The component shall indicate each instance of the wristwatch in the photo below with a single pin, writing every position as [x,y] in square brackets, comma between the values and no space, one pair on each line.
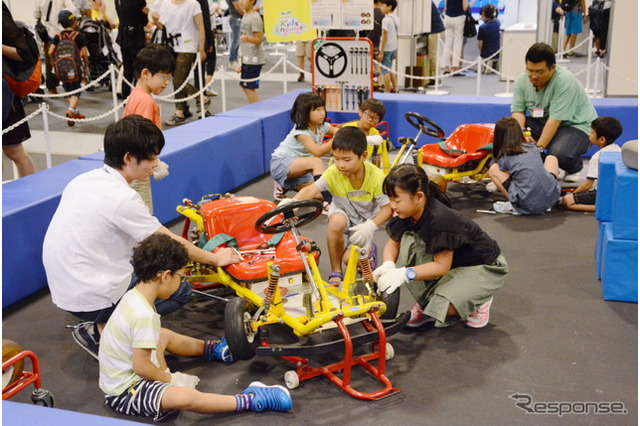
[411,274]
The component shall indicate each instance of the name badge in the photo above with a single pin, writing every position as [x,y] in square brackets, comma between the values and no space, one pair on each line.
[357,193]
[538,112]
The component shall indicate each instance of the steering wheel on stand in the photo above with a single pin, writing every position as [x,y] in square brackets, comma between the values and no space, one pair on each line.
[422,123]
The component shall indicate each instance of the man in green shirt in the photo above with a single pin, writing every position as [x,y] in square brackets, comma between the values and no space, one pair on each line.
[559,111]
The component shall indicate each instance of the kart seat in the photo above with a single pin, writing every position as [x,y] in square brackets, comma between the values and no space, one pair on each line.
[236,218]
[467,142]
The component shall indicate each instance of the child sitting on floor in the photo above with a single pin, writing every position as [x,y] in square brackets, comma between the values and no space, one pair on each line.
[604,132]
[359,207]
[133,370]
[518,172]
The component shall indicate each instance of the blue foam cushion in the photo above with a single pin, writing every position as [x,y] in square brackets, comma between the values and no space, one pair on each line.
[28,204]
[619,269]
[275,114]
[624,208]
[606,180]
[34,415]
[214,155]
[600,246]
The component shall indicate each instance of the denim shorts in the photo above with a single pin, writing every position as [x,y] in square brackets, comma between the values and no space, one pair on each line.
[387,61]
[250,72]
[279,169]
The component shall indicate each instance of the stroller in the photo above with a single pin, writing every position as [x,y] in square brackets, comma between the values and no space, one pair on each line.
[101,51]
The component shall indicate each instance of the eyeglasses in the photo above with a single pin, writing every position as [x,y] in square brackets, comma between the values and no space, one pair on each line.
[371,117]
[165,77]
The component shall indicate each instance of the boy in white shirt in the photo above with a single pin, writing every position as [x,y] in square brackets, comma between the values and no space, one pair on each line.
[389,44]
[604,132]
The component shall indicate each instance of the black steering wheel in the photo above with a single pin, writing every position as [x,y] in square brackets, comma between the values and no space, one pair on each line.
[420,122]
[335,60]
[307,211]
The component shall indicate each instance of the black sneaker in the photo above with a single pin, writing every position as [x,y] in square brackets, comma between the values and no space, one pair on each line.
[85,335]
[301,77]
[175,120]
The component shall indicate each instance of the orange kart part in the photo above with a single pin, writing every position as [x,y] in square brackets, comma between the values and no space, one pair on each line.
[17,379]
[465,144]
[236,217]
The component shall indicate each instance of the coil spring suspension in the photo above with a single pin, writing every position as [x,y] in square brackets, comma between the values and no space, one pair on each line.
[274,276]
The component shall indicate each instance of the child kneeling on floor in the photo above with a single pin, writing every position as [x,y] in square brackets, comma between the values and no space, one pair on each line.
[358,206]
[451,266]
[133,371]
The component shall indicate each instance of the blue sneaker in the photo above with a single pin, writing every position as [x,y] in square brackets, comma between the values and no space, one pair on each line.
[268,398]
[219,349]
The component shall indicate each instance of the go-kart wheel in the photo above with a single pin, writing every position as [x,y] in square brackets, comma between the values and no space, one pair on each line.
[422,123]
[296,213]
[389,352]
[440,181]
[242,341]
[13,372]
[42,397]
[392,301]
[291,379]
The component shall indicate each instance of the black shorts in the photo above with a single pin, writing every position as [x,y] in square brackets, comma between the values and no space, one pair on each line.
[586,197]
[73,85]
[250,72]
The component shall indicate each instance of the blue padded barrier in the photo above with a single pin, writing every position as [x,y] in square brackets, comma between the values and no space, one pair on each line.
[275,114]
[624,209]
[18,413]
[619,268]
[451,111]
[207,156]
[606,179]
[28,204]
[602,231]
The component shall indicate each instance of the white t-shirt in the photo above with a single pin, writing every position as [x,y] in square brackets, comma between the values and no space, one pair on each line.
[133,324]
[390,24]
[592,171]
[180,24]
[88,247]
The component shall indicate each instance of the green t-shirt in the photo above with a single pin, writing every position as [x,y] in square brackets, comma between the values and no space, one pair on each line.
[563,99]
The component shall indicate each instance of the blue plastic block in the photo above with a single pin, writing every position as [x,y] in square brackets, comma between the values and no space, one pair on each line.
[624,208]
[606,181]
[600,246]
[619,269]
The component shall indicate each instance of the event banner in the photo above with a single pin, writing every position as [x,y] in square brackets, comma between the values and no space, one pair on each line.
[342,14]
[286,20]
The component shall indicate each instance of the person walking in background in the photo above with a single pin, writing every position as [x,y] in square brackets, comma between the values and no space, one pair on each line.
[437,28]
[573,20]
[454,17]
[251,50]
[389,44]
[15,55]
[235,12]
[133,18]
[47,26]
[489,36]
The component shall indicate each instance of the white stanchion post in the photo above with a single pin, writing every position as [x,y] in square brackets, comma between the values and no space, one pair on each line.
[596,78]
[45,129]
[479,72]
[563,31]
[589,57]
[284,74]
[223,88]
[114,95]
[200,84]
[437,90]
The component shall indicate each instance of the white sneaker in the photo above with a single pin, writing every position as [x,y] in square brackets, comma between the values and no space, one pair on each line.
[573,177]
[491,187]
[504,207]
[279,193]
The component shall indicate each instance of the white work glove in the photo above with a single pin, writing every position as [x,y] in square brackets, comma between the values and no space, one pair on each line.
[375,140]
[184,380]
[363,233]
[285,201]
[392,279]
[386,266]
[161,171]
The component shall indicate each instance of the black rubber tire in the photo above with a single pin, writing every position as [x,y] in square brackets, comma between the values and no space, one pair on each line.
[392,301]
[42,397]
[242,343]
[9,350]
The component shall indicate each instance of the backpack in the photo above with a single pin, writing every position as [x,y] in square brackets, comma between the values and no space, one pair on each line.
[26,77]
[567,5]
[66,59]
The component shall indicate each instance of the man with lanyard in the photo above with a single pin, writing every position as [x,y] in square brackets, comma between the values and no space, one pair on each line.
[559,111]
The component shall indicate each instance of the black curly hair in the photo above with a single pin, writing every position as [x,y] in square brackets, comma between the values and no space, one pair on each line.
[158,253]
